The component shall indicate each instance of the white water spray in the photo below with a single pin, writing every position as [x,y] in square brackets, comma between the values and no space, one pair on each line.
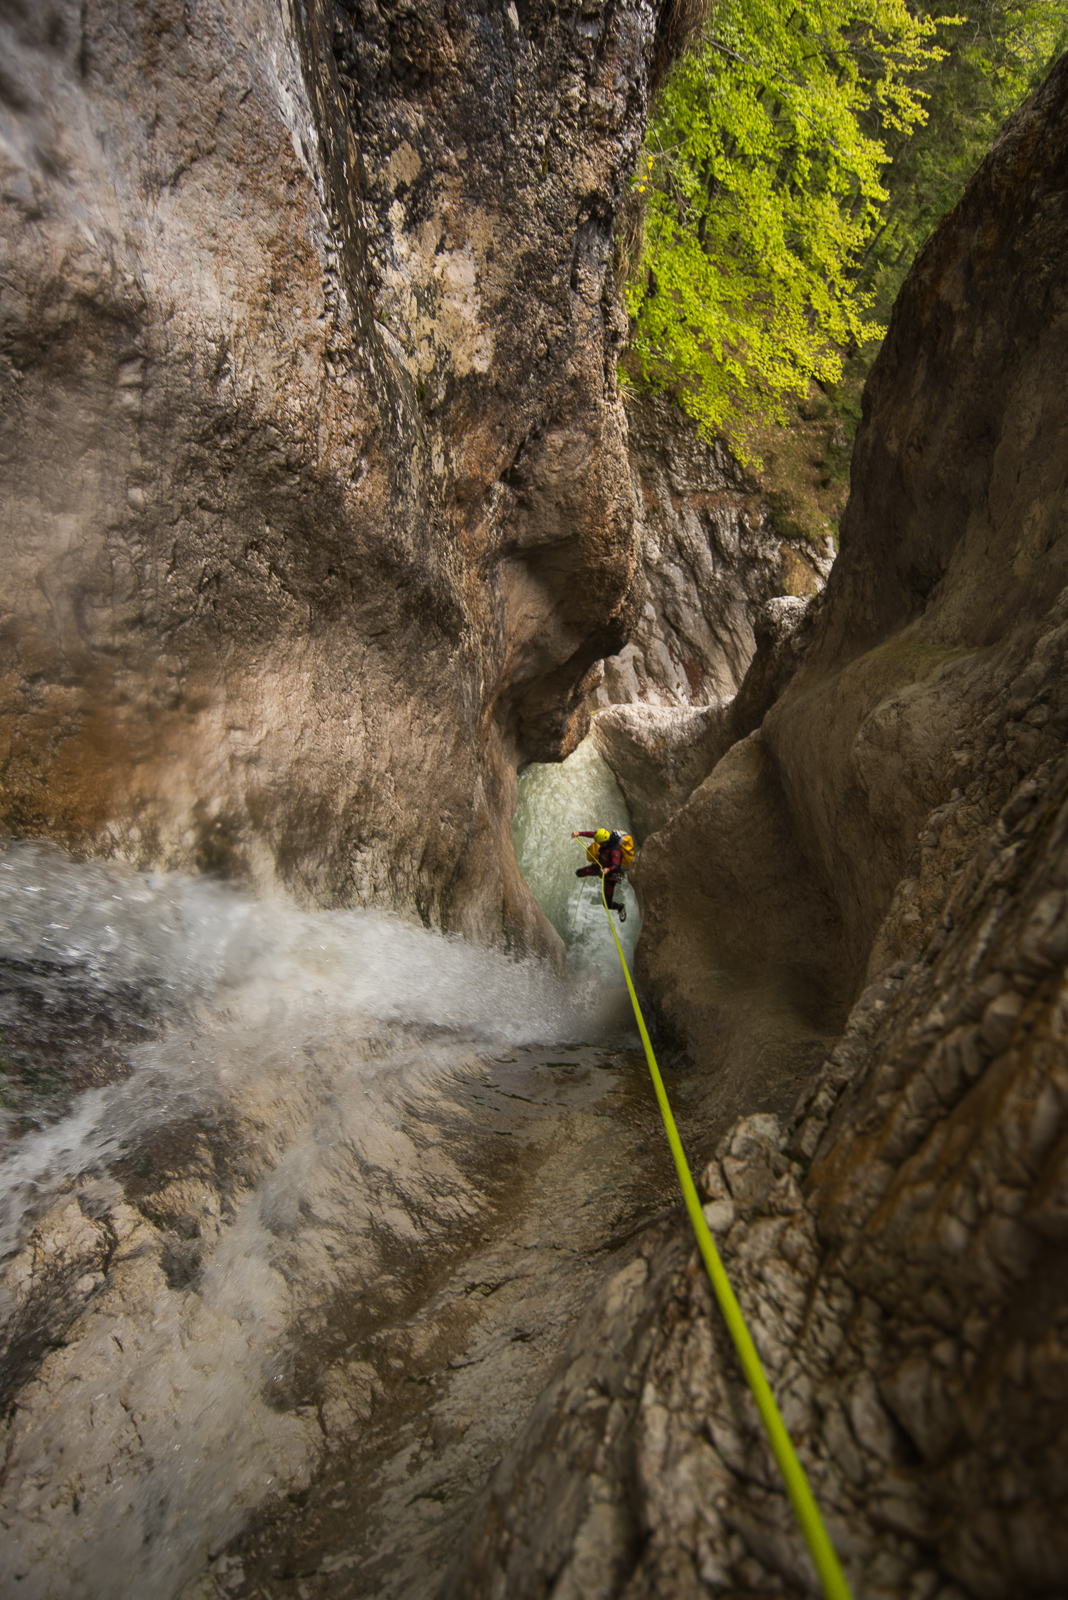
[306,1059]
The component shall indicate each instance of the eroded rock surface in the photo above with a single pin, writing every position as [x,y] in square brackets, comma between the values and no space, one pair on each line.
[895,834]
[711,555]
[897,1252]
[909,700]
[209,1385]
[660,753]
[721,628]
[306,603]
[311,444]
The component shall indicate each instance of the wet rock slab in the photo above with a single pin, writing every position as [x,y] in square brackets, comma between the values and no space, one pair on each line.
[427,1395]
[396,1334]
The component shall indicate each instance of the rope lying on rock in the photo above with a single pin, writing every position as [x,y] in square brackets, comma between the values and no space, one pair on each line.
[801,1497]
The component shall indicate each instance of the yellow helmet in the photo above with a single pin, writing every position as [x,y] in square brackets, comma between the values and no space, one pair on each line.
[602,836]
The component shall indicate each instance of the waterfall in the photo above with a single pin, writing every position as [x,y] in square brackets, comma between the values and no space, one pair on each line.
[219,1115]
[578,793]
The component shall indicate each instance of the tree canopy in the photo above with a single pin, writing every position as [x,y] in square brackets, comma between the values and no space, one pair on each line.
[993,58]
[785,178]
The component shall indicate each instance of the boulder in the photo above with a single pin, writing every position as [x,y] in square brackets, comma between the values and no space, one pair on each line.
[660,753]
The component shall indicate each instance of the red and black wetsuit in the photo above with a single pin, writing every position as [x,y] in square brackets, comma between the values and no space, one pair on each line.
[611,859]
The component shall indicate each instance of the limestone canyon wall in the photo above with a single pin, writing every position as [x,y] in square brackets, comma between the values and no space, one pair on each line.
[711,555]
[914,698]
[316,512]
[722,585]
[892,839]
[317,517]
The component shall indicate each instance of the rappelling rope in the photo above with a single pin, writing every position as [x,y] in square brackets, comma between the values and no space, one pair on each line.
[801,1497]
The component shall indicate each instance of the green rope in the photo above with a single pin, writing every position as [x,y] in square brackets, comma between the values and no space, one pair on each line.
[806,1510]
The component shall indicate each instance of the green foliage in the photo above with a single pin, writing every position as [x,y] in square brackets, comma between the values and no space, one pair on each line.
[762,185]
[1000,51]
[798,158]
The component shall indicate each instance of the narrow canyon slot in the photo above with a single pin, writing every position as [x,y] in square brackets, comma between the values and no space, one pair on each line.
[430,435]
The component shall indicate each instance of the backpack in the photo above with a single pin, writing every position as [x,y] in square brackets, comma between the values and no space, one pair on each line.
[625,844]
[616,841]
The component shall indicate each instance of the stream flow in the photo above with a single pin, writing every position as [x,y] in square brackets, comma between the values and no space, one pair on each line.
[297,1209]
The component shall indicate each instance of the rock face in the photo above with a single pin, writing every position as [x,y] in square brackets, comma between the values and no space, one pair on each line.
[316,519]
[660,753]
[711,556]
[936,632]
[310,437]
[727,612]
[897,830]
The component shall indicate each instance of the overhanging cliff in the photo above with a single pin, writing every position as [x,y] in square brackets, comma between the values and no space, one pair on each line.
[316,503]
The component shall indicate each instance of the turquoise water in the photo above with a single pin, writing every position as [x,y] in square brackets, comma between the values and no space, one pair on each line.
[554,799]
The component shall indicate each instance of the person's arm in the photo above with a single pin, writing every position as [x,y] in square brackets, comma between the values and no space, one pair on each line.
[615,861]
[587,833]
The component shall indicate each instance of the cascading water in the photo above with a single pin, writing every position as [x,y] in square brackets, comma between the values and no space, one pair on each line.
[241,1142]
[579,793]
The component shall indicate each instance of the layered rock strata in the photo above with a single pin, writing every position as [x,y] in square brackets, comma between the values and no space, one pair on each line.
[728,609]
[894,836]
[310,438]
[711,554]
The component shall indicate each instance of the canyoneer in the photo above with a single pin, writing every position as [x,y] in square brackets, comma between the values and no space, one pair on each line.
[610,854]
